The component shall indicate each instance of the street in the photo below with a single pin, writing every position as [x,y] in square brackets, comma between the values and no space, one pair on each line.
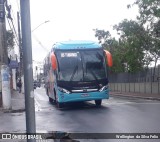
[106,51]
[117,115]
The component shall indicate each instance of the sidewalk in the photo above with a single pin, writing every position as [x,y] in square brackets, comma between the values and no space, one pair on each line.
[17,102]
[136,95]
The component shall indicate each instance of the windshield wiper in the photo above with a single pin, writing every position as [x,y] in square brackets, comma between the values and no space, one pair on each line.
[74,72]
[93,74]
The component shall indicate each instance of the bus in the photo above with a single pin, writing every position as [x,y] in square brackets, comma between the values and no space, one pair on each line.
[77,71]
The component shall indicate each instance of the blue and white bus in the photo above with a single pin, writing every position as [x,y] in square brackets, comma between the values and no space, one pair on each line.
[77,71]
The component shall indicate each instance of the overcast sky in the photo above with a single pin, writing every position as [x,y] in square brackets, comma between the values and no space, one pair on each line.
[72,20]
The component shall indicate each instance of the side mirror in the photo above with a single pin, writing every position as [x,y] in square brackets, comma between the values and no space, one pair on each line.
[53,61]
[109,58]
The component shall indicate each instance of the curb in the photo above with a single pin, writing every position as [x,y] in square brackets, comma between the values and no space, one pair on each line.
[13,110]
[129,96]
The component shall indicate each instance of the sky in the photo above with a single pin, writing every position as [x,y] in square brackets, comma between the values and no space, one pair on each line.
[72,20]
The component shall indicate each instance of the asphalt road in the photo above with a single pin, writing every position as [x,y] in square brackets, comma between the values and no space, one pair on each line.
[117,115]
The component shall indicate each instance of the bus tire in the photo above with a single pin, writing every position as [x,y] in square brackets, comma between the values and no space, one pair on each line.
[98,102]
[50,100]
[59,105]
[47,92]
[55,98]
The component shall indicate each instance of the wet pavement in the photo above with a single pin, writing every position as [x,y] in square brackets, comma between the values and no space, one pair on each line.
[118,114]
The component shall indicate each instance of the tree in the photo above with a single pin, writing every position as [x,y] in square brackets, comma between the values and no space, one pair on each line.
[135,41]
[149,11]
[150,18]
[139,41]
[129,51]
[104,38]
[112,45]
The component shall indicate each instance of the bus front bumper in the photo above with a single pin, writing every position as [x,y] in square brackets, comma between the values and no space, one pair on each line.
[76,97]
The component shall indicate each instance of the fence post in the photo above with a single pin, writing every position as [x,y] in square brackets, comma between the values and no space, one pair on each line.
[158,79]
[151,80]
[145,84]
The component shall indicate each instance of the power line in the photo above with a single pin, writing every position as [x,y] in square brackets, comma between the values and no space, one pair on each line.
[40,43]
[12,31]
[12,11]
[9,16]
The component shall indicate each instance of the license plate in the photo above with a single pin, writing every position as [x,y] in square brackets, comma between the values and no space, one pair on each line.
[85,95]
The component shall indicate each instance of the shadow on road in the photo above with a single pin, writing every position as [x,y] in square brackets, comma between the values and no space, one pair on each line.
[79,106]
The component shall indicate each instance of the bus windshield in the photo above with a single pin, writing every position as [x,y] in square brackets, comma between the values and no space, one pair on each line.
[81,65]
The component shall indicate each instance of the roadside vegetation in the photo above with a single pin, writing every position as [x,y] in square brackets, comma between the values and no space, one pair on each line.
[139,41]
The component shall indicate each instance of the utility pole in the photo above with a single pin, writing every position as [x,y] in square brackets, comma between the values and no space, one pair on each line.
[5,92]
[3,49]
[28,67]
[20,47]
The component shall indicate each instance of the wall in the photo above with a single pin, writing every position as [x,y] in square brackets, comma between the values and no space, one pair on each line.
[147,81]
[145,87]
[0,88]
[0,81]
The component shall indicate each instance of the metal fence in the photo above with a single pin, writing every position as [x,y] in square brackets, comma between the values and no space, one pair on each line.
[147,81]
[148,75]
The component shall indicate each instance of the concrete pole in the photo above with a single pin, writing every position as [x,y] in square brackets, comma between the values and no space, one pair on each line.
[6,91]
[21,74]
[20,44]
[28,67]
[4,75]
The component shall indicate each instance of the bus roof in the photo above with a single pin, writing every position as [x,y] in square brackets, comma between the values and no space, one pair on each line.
[74,44]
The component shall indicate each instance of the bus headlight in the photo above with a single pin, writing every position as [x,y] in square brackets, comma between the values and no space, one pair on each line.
[103,88]
[63,90]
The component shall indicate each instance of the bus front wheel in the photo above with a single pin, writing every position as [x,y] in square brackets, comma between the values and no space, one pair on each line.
[98,102]
[50,100]
[59,105]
